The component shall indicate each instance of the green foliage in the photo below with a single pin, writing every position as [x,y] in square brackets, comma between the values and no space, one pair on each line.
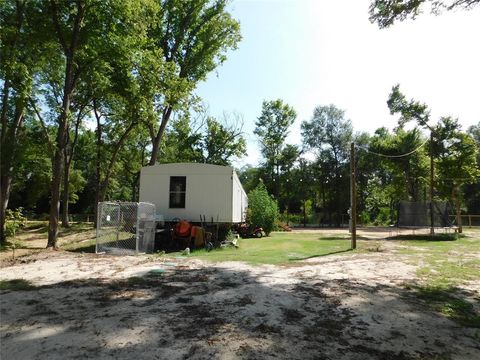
[263,209]
[444,300]
[16,285]
[249,177]
[457,155]
[386,12]
[223,142]
[204,140]
[398,178]
[14,221]
[272,129]
[193,37]
[328,135]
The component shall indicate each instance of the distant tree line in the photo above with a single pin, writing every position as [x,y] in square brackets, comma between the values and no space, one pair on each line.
[314,178]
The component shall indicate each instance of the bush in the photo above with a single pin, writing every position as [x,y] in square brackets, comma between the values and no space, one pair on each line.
[14,221]
[262,209]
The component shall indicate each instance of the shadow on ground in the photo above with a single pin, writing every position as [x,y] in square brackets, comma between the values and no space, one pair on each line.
[213,313]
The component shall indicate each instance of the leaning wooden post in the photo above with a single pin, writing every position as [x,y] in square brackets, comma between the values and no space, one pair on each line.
[432,215]
[353,196]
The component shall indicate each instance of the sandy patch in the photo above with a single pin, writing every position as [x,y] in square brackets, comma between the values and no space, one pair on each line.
[336,307]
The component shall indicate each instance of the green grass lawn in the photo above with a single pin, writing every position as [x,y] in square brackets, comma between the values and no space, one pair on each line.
[444,263]
[444,266]
[278,248]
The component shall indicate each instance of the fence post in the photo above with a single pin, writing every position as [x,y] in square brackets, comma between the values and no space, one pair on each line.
[353,196]
[118,225]
[99,216]
[137,230]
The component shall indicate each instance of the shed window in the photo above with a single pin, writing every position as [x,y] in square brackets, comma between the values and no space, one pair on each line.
[178,186]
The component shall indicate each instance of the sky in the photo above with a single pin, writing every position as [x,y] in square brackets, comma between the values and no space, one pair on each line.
[320,52]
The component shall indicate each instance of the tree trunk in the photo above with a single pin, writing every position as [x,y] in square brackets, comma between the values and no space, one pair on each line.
[58,161]
[55,194]
[157,139]
[304,213]
[6,181]
[71,75]
[8,147]
[458,210]
[68,157]
[8,136]
[66,194]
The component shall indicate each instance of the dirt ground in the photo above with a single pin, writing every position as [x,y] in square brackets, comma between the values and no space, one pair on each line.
[349,306]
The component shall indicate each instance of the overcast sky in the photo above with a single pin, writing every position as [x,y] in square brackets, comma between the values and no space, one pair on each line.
[317,52]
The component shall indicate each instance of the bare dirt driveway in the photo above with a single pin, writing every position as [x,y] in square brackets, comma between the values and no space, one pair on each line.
[346,306]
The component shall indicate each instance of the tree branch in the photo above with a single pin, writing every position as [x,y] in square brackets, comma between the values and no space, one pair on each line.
[44,127]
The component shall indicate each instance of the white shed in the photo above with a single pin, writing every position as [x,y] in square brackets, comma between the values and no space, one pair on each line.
[188,190]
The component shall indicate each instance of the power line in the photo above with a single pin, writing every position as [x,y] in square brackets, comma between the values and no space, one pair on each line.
[394,156]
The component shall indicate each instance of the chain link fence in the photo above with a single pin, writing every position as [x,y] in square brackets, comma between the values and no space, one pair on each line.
[125,228]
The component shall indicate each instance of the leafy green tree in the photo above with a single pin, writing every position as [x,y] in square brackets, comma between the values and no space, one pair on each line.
[88,36]
[386,12]
[328,135]
[451,150]
[117,83]
[408,174]
[31,180]
[194,37]
[22,55]
[472,191]
[302,188]
[288,159]
[457,163]
[262,209]
[182,142]
[223,142]
[249,177]
[204,140]
[272,129]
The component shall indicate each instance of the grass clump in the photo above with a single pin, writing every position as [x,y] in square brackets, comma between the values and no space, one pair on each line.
[85,246]
[442,299]
[16,285]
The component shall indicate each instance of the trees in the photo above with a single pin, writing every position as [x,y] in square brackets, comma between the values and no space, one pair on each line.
[472,191]
[194,37]
[386,12]
[272,129]
[328,134]
[453,151]
[262,209]
[205,139]
[92,46]
[22,54]
[457,163]
[223,142]
[116,64]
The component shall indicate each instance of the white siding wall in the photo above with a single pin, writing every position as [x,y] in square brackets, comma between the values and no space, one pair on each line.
[209,191]
[240,200]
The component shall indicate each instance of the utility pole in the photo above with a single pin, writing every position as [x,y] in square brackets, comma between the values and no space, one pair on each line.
[432,218]
[353,196]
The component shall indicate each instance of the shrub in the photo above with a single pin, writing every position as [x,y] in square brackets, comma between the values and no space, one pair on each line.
[263,209]
[14,221]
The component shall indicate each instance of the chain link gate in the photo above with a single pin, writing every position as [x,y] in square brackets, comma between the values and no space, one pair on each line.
[125,228]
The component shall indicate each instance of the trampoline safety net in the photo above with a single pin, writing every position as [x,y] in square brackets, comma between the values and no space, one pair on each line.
[125,228]
[417,214]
